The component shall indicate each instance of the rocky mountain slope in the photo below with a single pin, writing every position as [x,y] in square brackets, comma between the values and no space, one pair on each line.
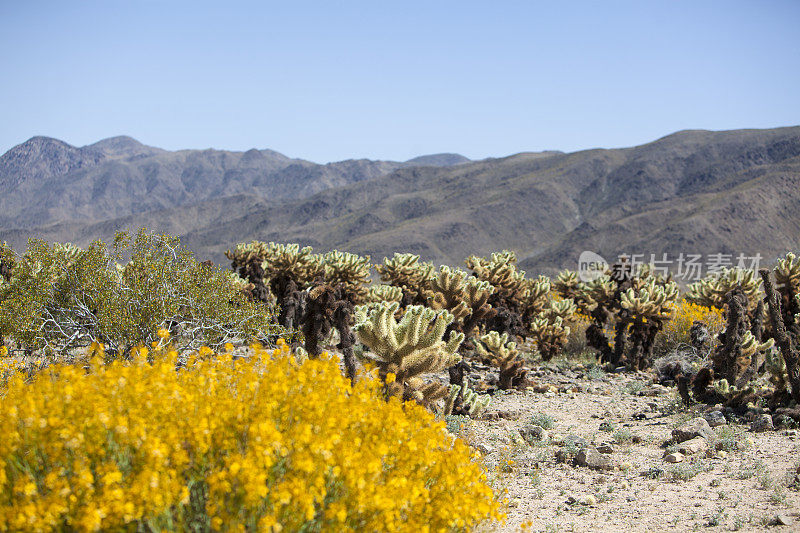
[692,192]
[45,181]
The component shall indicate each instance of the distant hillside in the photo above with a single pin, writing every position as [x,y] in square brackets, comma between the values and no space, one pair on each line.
[692,192]
[45,181]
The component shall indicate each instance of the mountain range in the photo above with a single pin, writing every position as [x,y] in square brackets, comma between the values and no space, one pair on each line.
[692,192]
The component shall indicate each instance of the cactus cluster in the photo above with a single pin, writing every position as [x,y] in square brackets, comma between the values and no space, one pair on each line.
[349,272]
[405,350]
[783,314]
[550,329]
[517,300]
[712,290]
[406,272]
[465,297]
[634,303]
[472,403]
[505,356]
[383,293]
[740,354]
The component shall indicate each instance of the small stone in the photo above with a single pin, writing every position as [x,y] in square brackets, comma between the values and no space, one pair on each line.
[484,448]
[654,390]
[605,447]
[696,427]
[571,500]
[762,423]
[589,500]
[517,438]
[715,419]
[783,520]
[514,502]
[791,433]
[631,498]
[575,440]
[533,433]
[591,458]
[625,466]
[722,454]
[640,416]
[676,457]
[693,446]
[557,438]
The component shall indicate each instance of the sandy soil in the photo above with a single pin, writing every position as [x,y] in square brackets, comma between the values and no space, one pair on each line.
[743,490]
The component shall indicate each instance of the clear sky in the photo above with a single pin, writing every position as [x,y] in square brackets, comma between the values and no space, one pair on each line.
[332,80]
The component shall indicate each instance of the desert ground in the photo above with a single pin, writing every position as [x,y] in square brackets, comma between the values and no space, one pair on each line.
[734,479]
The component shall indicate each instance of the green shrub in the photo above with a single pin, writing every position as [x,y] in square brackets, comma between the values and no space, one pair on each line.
[60,297]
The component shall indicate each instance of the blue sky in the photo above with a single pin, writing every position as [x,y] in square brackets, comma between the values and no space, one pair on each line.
[327,81]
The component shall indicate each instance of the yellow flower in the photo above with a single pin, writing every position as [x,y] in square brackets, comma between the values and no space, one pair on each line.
[163,333]
[122,444]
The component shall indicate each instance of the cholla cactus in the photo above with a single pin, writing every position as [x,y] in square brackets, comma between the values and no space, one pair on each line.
[651,301]
[472,403]
[407,349]
[550,330]
[406,271]
[447,292]
[751,352]
[301,265]
[787,276]
[326,308]
[739,355]
[597,297]
[515,298]
[787,271]
[536,297]
[348,271]
[500,270]
[776,366]
[566,284]
[785,326]
[634,304]
[7,262]
[246,261]
[737,395]
[465,297]
[384,293]
[712,290]
[276,260]
[506,357]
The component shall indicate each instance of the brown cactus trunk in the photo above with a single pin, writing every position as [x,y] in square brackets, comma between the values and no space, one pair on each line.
[782,339]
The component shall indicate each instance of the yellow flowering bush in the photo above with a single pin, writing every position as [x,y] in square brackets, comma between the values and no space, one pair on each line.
[676,331]
[260,443]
